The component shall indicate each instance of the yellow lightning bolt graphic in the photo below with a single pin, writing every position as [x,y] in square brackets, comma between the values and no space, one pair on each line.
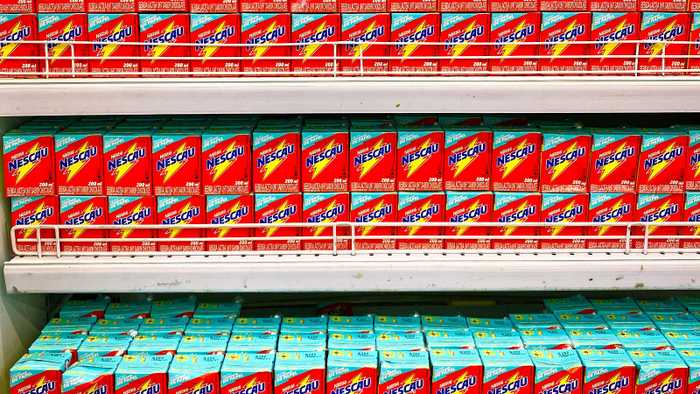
[75,168]
[508,230]
[562,45]
[462,378]
[615,378]
[513,379]
[665,205]
[272,166]
[320,165]
[462,229]
[458,49]
[408,49]
[359,49]
[261,49]
[174,232]
[657,168]
[369,164]
[610,167]
[92,389]
[697,168]
[251,383]
[60,48]
[126,167]
[412,230]
[126,232]
[160,49]
[146,385]
[40,382]
[271,230]
[604,229]
[305,381]
[667,380]
[367,229]
[464,163]
[108,49]
[610,46]
[198,386]
[660,45]
[224,166]
[175,167]
[557,229]
[7,50]
[224,231]
[515,163]
[418,163]
[409,380]
[561,167]
[27,168]
[696,230]
[564,380]
[310,49]
[507,49]
[319,230]
[210,50]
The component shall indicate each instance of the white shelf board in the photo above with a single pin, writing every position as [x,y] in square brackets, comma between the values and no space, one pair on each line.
[136,96]
[398,272]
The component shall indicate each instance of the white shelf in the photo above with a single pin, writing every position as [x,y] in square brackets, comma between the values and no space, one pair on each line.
[85,96]
[398,272]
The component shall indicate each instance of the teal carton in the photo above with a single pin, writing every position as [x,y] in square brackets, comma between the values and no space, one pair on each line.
[90,375]
[351,323]
[271,324]
[68,326]
[39,373]
[302,372]
[641,338]
[210,326]
[104,346]
[203,344]
[660,305]
[578,320]
[174,308]
[599,338]
[93,308]
[558,370]
[400,340]
[482,323]
[247,373]
[683,339]
[602,305]
[507,371]
[304,324]
[552,337]
[396,323]
[351,371]
[627,319]
[659,371]
[456,370]
[691,357]
[302,342]
[352,341]
[574,304]
[449,338]
[671,321]
[533,320]
[218,310]
[175,325]
[404,371]
[497,339]
[128,310]
[156,344]
[116,327]
[607,371]
[191,372]
[142,374]
[53,343]
[252,341]
[432,322]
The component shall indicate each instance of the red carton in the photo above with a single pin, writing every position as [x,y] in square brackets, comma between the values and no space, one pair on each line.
[694,63]
[607,30]
[663,29]
[157,31]
[664,5]
[421,158]
[564,208]
[374,208]
[373,158]
[326,208]
[659,208]
[692,167]
[18,7]
[309,32]
[564,5]
[259,30]
[311,6]
[560,32]
[416,207]
[15,28]
[216,7]
[565,162]
[516,208]
[691,213]
[516,160]
[463,6]
[162,6]
[83,211]
[277,161]
[60,6]
[365,29]
[325,160]
[113,6]
[263,6]
[229,210]
[409,30]
[127,164]
[226,162]
[509,31]
[29,164]
[129,211]
[360,6]
[468,207]
[273,209]
[662,162]
[79,164]
[468,159]
[412,6]
[607,208]
[62,29]
[177,164]
[514,5]
[175,210]
[110,30]
[459,33]
[207,29]
[614,162]
[35,211]
[612,5]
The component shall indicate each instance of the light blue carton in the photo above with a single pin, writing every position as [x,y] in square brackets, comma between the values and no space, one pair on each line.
[641,338]
[144,366]
[187,367]
[533,320]
[238,365]
[128,310]
[396,323]
[84,308]
[602,305]
[252,341]
[660,305]
[203,344]
[94,369]
[683,339]
[433,322]
[691,302]
[215,325]
[400,340]
[213,310]
[346,362]
[291,364]
[395,363]
[498,361]
[302,342]
[174,308]
[49,364]
[450,338]
[483,323]
[597,338]
[629,319]
[446,362]
[53,343]
[578,320]
[497,339]
[652,363]
[552,337]
[104,346]
[175,325]
[352,341]
[68,326]
[671,321]
[691,357]
[573,304]
[156,344]
[304,324]
[363,323]
[259,324]
[550,362]
[116,327]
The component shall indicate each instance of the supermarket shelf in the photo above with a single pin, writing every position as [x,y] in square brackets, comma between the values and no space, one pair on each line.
[363,272]
[280,95]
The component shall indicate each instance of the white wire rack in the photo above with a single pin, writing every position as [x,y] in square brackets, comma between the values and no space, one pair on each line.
[351,58]
[348,238]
